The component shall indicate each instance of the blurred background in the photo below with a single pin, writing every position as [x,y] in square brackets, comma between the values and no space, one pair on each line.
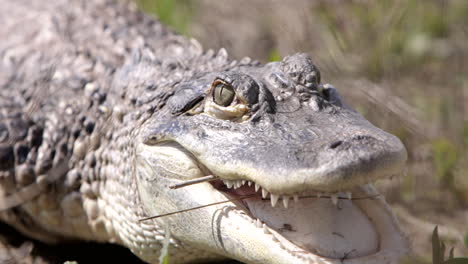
[402,63]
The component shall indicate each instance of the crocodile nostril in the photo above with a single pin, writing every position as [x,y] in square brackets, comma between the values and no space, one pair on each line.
[335,144]
[362,137]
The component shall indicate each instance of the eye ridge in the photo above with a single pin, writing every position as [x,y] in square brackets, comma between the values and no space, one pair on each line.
[223,93]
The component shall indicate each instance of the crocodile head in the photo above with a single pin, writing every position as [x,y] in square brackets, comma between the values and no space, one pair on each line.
[275,133]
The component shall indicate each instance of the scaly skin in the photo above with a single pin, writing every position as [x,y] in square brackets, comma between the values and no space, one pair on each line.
[102,109]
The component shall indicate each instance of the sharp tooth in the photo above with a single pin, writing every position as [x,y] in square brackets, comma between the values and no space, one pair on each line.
[334,198]
[319,194]
[349,195]
[258,223]
[229,183]
[243,182]
[264,193]
[257,187]
[238,184]
[274,199]
[285,201]
[275,239]
[296,198]
[265,229]
[249,183]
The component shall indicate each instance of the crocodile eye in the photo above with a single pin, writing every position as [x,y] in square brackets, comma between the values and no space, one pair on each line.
[223,94]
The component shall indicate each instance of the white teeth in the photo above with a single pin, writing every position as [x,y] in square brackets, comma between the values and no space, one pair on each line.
[249,183]
[285,201]
[258,223]
[264,193]
[229,183]
[265,229]
[334,198]
[257,187]
[319,195]
[349,195]
[296,198]
[274,199]
[238,184]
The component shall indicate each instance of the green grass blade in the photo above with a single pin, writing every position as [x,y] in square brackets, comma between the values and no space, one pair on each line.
[274,55]
[435,247]
[457,261]
[164,257]
[165,260]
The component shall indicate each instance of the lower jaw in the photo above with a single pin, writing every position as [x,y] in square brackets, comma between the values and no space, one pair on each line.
[360,231]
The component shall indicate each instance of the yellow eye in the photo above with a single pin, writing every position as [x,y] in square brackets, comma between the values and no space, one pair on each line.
[223,94]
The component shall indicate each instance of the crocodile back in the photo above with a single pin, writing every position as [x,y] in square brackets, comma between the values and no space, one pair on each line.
[57,61]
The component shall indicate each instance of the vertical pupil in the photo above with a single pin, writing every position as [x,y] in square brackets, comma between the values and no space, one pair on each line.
[223,94]
[221,89]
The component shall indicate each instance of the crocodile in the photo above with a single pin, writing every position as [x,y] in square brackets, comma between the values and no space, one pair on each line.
[103,110]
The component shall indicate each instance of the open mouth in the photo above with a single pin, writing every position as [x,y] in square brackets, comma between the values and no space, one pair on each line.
[334,227]
[352,226]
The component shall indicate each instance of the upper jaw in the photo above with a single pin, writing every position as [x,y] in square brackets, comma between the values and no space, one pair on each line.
[291,158]
[331,171]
